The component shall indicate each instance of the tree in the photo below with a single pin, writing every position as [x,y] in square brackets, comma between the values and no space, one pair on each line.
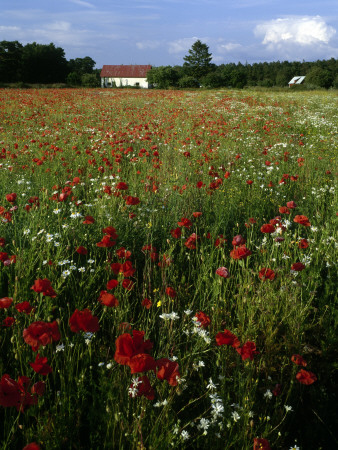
[198,61]
[10,61]
[43,63]
[162,77]
[81,65]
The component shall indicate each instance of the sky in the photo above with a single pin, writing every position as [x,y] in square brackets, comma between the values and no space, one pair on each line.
[161,32]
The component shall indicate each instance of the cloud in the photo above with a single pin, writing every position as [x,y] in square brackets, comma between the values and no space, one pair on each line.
[147,45]
[181,45]
[305,31]
[229,47]
[82,3]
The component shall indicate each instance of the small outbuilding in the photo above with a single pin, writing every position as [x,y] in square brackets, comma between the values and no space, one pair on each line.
[296,80]
[124,75]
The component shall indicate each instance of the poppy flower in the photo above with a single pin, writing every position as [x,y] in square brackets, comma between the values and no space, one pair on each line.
[142,362]
[81,250]
[89,220]
[127,284]
[10,393]
[123,253]
[238,240]
[176,233]
[298,267]
[268,228]
[223,272]
[8,322]
[112,284]
[261,444]
[5,302]
[167,370]
[38,388]
[143,388]
[40,365]
[11,197]
[2,242]
[203,320]
[43,286]
[110,231]
[284,210]
[299,360]
[32,446]
[122,186]
[266,274]
[41,333]
[146,303]
[197,214]
[108,299]
[248,350]
[306,377]
[184,222]
[227,338]
[291,205]
[303,243]
[132,200]
[240,252]
[302,220]
[191,241]
[24,307]
[171,292]
[84,321]
[106,242]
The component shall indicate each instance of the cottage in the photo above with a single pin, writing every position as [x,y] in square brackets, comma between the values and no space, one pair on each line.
[296,80]
[122,75]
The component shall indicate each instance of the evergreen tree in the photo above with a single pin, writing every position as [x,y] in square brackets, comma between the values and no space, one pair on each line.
[198,62]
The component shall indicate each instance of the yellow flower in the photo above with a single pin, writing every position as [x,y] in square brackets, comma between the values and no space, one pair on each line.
[159,303]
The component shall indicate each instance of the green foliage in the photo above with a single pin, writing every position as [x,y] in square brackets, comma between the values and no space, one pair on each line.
[198,61]
[90,80]
[188,82]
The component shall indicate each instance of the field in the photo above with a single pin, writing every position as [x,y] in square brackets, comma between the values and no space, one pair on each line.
[168,269]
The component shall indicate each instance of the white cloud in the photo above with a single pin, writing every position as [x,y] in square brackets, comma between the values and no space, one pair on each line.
[82,3]
[147,45]
[181,45]
[59,26]
[295,30]
[229,47]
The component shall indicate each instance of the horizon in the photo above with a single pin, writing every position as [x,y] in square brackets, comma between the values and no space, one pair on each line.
[160,33]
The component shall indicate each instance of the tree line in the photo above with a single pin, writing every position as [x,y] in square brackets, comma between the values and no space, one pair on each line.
[46,64]
[198,70]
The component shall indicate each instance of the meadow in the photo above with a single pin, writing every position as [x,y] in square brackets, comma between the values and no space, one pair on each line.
[168,269]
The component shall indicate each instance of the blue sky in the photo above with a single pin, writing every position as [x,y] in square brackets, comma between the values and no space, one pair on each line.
[160,32]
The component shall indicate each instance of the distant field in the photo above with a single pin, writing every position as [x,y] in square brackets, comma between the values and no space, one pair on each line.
[168,269]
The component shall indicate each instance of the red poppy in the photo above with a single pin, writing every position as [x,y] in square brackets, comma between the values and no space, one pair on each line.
[110,231]
[89,220]
[238,240]
[303,243]
[268,228]
[11,197]
[4,257]
[184,222]
[191,241]
[167,370]
[106,242]
[8,322]
[127,269]
[171,292]
[41,333]
[2,242]
[261,444]
[266,274]
[298,267]
[306,377]
[128,346]
[240,252]
[176,233]
[10,393]
[223,272]
[127,284]
[291,205]
[142,362]
[249,182]
[32,446]
[197,214]
[248,350]
[284,210]
[24,307]
[132,200]
[5,302]
[81,250]
[112,284]
[227,338]
[302,220]
[40,365]
[44,286]
[38,388]
[122,186]
[108,299]
[299,360]
[143,388]
[123,253]
[84,321]
[203,320]
[146,303]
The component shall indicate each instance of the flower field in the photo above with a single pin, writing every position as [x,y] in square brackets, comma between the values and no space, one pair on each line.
[168,269]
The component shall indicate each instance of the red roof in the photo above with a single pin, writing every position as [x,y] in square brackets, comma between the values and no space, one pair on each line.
[123,71]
